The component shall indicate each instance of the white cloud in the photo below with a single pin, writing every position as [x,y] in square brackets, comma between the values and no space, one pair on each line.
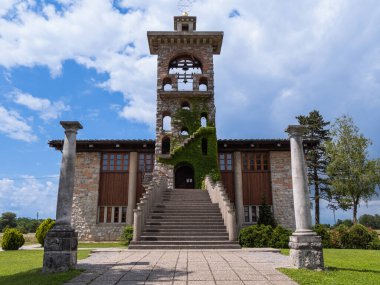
[28,196]
[47,109]
[14,126]
[314,49]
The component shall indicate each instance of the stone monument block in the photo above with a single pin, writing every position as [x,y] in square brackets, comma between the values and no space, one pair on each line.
[306,251]
[60,246]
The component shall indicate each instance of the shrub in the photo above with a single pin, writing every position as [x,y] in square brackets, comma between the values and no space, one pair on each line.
[346,222]
[280,238]
[42,230]
[358,236]
[324,233]
[127,235]
[266,216]
[374,244]
[255,236]
[12,239]
[336,236]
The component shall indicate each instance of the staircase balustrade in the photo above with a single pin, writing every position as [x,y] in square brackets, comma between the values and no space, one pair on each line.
[152,194]
[218,195]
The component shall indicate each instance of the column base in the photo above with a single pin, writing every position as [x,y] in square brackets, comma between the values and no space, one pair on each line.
[60,249]
[306,251]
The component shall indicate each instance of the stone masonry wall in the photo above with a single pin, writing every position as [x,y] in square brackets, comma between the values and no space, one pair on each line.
[170,106]
[85,201]
[282,189]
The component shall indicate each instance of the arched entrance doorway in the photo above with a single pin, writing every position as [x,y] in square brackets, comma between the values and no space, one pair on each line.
[184,177]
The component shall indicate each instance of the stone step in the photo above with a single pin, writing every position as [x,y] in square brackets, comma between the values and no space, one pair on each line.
[185,203]
[158,222]
[184,206]
[184,238]
[185,215]
[184,245]
[183,210]
[185,233]
[183,221]
[175,226]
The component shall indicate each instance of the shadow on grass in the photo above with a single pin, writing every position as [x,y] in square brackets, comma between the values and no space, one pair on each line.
[332,268]
[36,277]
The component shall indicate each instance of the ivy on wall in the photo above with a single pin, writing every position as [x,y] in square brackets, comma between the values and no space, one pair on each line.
[191,153]
[190,119]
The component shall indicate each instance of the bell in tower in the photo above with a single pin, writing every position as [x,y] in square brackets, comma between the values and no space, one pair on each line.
[186,143]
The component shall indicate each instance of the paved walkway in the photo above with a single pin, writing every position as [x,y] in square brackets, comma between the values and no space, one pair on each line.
[177,267]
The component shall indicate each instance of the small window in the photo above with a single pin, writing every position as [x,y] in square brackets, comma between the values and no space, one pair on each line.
[253,214]
[116,215]
[185,27]
[225,161]
[246,214]
[185,105]
[115,162]
[167,124]
[184,132]
[145,162]
[165,145]
[204,120]
[124,214]
[204,146]
[255,161]
[101,215]
[109,214]
[203,84]
[167,83]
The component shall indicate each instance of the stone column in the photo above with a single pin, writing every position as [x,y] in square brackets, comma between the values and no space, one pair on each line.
[238,180]
[305,245]
[132,185]
[60,248]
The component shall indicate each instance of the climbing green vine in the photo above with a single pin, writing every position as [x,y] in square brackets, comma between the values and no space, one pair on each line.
[191,153]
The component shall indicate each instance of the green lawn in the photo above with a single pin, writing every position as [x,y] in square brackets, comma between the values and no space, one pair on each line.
[23,267]
[343,266]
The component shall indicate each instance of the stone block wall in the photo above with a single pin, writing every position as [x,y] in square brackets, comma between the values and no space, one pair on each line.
[85,201]
[282,189]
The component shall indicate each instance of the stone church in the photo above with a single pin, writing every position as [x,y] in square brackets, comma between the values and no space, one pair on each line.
[116,179]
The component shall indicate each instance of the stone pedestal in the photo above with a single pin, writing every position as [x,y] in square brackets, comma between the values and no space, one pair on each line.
[60,247]
[306,251]
[305,245]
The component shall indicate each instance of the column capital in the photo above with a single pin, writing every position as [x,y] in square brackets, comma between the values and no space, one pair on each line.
[71,126]
[296,130]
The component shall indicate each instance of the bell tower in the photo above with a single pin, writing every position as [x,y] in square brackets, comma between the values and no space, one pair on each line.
[186,145]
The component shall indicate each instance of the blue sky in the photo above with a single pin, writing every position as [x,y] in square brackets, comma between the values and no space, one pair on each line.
[89,61]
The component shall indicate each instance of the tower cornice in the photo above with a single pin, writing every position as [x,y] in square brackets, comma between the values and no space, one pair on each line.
[156,39]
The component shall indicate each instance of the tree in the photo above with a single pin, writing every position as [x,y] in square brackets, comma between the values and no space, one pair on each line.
[315,156]
[370,221]
[8,219]
[353,176]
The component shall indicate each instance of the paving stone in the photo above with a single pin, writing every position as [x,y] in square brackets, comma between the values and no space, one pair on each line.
[201,283]
[130,282]
[225,275]
[196,267]
[257,282]
[200,276]
[229,283]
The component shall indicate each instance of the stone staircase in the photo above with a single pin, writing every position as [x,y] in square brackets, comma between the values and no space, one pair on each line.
[185,219]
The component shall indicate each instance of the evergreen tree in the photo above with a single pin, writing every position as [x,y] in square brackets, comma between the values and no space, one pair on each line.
[315,156]
[7,219]
[353,177]
[266,216]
